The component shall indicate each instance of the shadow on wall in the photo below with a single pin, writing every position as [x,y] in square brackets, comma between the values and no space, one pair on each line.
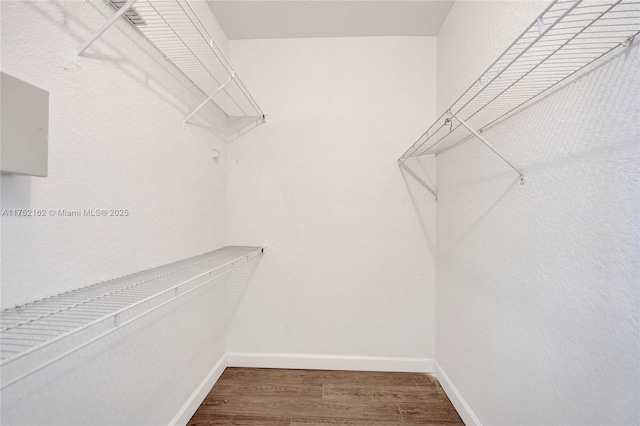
[121,375]
[485,203]
[236,127]
[568,109]
[422,199]
[524,137]
[184,98]
[15,191]
[539,282]
[237,283]
[239,126]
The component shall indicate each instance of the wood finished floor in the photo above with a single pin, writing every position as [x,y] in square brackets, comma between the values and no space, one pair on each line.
[273,397]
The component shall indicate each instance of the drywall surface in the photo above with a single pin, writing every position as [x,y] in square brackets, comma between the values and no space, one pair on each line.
[463,58]
[538,301]
[141,374]
[347,270]
[116,141]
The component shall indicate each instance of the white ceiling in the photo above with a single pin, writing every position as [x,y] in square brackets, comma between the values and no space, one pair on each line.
[250,19]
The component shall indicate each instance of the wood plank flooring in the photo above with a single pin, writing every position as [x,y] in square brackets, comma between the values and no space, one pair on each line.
[273,397]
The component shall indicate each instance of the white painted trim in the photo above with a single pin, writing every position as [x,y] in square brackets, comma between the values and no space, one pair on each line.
[189,408]
[464,410]
[324,362]
[329,362]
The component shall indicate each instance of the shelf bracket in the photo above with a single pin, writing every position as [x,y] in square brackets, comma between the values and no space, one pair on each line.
[124,9]
[488,145]
[418,178]
[542,28]
[233,75]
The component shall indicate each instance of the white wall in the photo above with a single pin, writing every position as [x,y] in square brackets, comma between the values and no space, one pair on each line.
[146,373]
[116,142]
[463,57]
[537,285]
[347,270]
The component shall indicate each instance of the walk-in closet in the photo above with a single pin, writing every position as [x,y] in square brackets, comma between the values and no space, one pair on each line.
[319,212]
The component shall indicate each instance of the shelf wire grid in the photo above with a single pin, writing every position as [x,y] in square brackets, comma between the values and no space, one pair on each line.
[40,333]
[179,34]
[568,36]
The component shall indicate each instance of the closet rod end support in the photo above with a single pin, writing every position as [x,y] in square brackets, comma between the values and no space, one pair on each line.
[521,179]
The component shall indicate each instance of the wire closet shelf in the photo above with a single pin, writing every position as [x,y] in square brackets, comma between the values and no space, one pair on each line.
[43,332]
[178,32]
[568,36]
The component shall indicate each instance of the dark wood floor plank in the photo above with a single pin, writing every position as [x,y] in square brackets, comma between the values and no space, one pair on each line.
[323,421]
[266,389]
[226,419]
[366,378]
[253,375]
[423,413]
[282,407]
[383,393]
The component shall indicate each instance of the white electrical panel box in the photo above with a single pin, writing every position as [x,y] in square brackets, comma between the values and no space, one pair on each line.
[24,127]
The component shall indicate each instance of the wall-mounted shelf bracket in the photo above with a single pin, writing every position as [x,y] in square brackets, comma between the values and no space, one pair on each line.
[124,9]
[418,178]
[542,28]
[487,144]
[233,75]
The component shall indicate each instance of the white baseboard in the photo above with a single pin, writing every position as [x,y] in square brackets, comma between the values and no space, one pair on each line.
[324,362]
[465,412]
[329,362]
[196,398]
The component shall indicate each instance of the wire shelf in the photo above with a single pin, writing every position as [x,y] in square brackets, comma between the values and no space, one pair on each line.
[40,333]
[176,30]
[568,36]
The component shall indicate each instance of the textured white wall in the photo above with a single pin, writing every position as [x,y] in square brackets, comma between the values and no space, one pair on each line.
[463,57]
[116,141]
[538,301]
[141,374]
[347,270]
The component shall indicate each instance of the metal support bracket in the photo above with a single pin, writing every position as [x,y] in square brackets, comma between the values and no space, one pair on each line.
[416,177]
[628,40]
[124,9]
[488,145]
[233,75]
[541,25]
